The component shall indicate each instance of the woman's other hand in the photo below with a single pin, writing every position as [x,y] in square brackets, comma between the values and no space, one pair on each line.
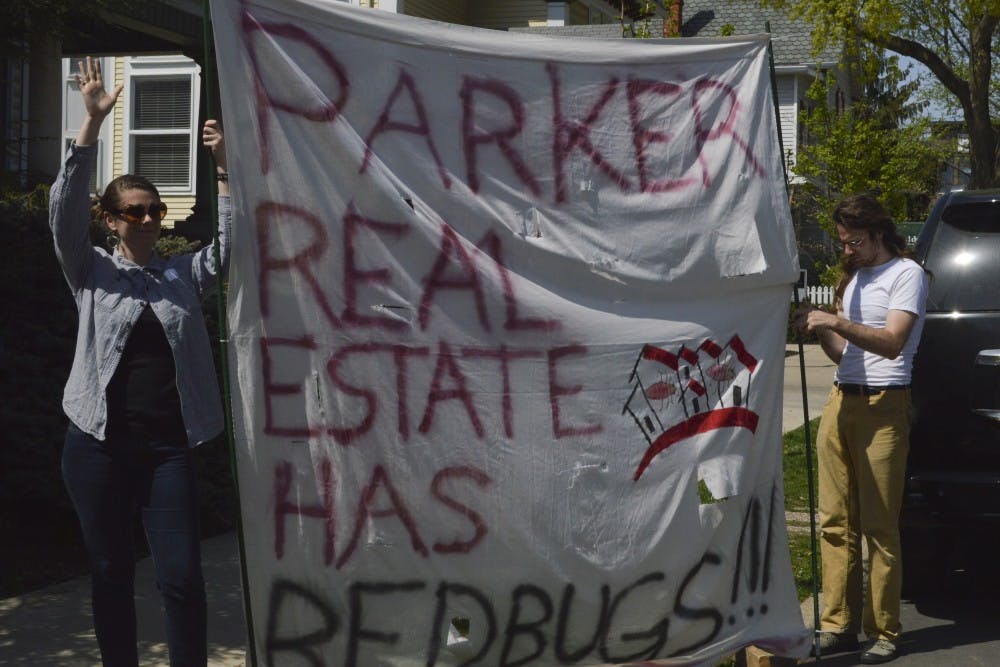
[213,138]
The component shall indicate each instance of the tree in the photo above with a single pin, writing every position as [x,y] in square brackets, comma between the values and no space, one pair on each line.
[879,143]
[952,38]
[635,16]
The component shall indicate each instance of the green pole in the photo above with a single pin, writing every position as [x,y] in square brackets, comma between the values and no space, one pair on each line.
[802,379]
[774,99]
[812,494]
[220,302]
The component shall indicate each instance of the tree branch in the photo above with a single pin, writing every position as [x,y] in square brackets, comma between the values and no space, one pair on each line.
[945,74]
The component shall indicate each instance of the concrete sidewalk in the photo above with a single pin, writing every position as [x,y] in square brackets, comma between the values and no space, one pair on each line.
[819,380]
[52,627]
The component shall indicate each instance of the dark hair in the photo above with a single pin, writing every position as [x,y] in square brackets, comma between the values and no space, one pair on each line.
[110,200]
[863,212]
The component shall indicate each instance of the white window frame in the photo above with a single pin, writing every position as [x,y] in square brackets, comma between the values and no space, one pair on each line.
[103,166]
[612,10]
[172,66]
[556,14]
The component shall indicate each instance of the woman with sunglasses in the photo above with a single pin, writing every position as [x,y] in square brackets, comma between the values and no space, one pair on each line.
[142,390]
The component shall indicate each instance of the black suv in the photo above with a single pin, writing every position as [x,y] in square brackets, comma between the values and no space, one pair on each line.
[954,464]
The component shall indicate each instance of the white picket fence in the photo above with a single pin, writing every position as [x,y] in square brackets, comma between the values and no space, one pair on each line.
[821,295]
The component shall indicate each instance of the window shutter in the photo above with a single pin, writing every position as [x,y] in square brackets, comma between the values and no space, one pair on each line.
[162,159]
[162,107]
[162,104]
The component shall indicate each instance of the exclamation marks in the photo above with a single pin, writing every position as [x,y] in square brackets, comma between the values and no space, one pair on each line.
[755,544]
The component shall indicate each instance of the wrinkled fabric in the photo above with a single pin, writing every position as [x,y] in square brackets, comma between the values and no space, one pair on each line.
[507,319]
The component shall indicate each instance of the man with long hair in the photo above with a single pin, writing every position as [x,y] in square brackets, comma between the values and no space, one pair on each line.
[863,436]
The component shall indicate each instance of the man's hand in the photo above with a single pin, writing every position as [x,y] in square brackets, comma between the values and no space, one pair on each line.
[834,331]
[810,319]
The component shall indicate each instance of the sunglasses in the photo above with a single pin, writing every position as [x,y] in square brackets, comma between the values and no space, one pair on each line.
[136,213]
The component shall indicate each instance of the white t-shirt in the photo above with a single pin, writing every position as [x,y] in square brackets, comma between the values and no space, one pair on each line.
[899,284]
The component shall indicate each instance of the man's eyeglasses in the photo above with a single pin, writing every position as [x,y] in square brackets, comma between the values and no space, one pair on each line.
[136,213]
[854,244]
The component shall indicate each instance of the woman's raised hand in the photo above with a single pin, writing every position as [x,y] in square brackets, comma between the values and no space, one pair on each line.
[90,80]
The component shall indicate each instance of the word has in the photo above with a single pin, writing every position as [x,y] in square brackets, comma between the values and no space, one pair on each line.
[288,504]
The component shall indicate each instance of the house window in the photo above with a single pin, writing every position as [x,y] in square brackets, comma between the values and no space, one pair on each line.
[73,114]
[161,121]
[557,13]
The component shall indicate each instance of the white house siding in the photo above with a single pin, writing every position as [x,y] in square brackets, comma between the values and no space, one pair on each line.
[179,207]
[451,11]
[788,111]
[118,136]
[503,14]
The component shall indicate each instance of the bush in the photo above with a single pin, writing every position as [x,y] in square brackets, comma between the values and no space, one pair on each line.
[36,350]
[170,244]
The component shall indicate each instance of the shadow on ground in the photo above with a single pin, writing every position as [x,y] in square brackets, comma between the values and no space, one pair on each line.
[950,616]
[52,627]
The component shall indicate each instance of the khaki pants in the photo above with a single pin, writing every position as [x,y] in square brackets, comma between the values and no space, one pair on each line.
[862,446]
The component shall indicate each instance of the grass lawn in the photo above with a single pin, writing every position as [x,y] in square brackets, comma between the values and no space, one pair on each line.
[795,475]
[797,500]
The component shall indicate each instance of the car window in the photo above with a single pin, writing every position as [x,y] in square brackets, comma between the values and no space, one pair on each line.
[974,216]
[964,259]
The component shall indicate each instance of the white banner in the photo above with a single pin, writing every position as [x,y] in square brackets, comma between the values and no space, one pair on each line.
[507,319]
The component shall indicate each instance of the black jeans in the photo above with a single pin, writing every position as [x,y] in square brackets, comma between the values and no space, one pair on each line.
[107,482]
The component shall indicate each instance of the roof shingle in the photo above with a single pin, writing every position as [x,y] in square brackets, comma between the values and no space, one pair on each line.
[792,40]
